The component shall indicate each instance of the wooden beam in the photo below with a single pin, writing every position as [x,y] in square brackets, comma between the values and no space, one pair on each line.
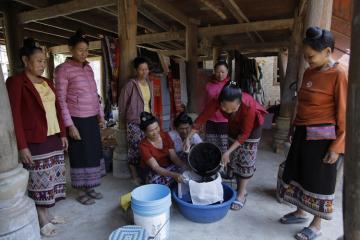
[93,45]
[153,18]
[214,8]
[239,15]
[62,9]
[247,27]
[256,46]
[168,9]
[160,37]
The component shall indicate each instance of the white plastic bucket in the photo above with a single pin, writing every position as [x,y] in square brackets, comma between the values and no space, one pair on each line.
[151,207]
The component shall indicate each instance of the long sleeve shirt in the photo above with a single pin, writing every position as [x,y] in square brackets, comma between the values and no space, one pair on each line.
[322,100]
[213,89]
[249,116]
[76,91]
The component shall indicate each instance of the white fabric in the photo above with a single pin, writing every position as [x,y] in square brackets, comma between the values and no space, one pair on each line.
[201,193]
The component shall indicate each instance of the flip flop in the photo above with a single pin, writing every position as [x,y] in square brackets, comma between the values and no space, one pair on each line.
[58,220]
[48,230]
[307,234]
[85,200]
[291,218]
[93,194]
[237,205]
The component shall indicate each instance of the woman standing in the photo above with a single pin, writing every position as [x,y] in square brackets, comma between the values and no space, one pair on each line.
[82,115]
[246,117]
[158,158]
[217,125]
[40,134]
[309,176]
[136,97]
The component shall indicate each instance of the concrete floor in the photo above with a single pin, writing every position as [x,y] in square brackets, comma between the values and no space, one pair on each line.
[257,221]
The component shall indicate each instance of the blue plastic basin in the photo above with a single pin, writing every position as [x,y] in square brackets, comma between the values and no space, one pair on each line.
[207,213]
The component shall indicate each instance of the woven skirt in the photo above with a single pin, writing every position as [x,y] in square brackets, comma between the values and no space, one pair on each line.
[155,178]
[243,159]
[217,133]
[86,158]
[47,175]
[305,180]
[134,136]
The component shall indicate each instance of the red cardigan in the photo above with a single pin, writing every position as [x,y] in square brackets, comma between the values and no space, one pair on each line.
[28,112]
[249,116]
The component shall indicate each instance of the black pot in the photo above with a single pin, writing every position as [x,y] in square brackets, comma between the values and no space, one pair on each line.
[204,159]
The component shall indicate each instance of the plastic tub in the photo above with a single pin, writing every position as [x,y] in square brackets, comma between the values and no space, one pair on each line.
[207,213]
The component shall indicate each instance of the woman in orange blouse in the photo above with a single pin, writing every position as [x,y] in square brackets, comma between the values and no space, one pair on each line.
[309,176]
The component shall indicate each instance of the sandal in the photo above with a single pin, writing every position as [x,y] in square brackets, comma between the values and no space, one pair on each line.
[85,200]
[93,194]
[307,234]
[48,230]
[237,205]
[58,220]
[291,218]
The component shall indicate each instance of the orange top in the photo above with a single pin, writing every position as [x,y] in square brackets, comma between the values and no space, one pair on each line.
[322,100]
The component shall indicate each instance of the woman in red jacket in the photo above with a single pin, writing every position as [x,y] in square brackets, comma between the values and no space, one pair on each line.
[245,116]
[39,133]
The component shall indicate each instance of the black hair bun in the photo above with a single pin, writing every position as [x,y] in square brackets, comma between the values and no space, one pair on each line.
[30,43]
[145,116]
[79,33]
[313,33]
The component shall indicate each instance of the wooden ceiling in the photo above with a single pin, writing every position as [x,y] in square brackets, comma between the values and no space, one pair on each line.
[55,29]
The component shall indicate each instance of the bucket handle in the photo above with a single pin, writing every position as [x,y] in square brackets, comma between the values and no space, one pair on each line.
[167,221]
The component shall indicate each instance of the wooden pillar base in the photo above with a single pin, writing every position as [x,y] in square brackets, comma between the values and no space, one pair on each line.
[21,221]
[281,134]
[120,162]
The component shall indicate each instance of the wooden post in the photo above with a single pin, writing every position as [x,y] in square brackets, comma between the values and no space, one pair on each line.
[127,24]
[192,61]
[351,208]
[51,66]
[215,54]
[287,95]
[127,28]
[13,37]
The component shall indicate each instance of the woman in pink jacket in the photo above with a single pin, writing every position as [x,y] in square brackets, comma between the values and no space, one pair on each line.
[217,125]
[82,115]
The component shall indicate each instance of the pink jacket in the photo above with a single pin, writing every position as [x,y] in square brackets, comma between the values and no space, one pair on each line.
[76,91]
[213,89]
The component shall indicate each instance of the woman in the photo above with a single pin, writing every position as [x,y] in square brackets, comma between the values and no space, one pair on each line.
[246,117]
[181,135]
[217,125]
[158,158]
[40,134]
[82,115]
[309,176]
[136,97]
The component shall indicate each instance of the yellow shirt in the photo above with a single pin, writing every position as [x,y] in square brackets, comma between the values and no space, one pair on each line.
[145,91]
[48,99]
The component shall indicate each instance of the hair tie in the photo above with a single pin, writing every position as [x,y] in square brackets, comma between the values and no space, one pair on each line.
[232,83]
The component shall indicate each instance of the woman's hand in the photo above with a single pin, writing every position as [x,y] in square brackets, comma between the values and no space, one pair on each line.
[74,133]
[26,157]
[65,143]
[225,159]
[178,178]
[101,122]
[186,145]
[331,157]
